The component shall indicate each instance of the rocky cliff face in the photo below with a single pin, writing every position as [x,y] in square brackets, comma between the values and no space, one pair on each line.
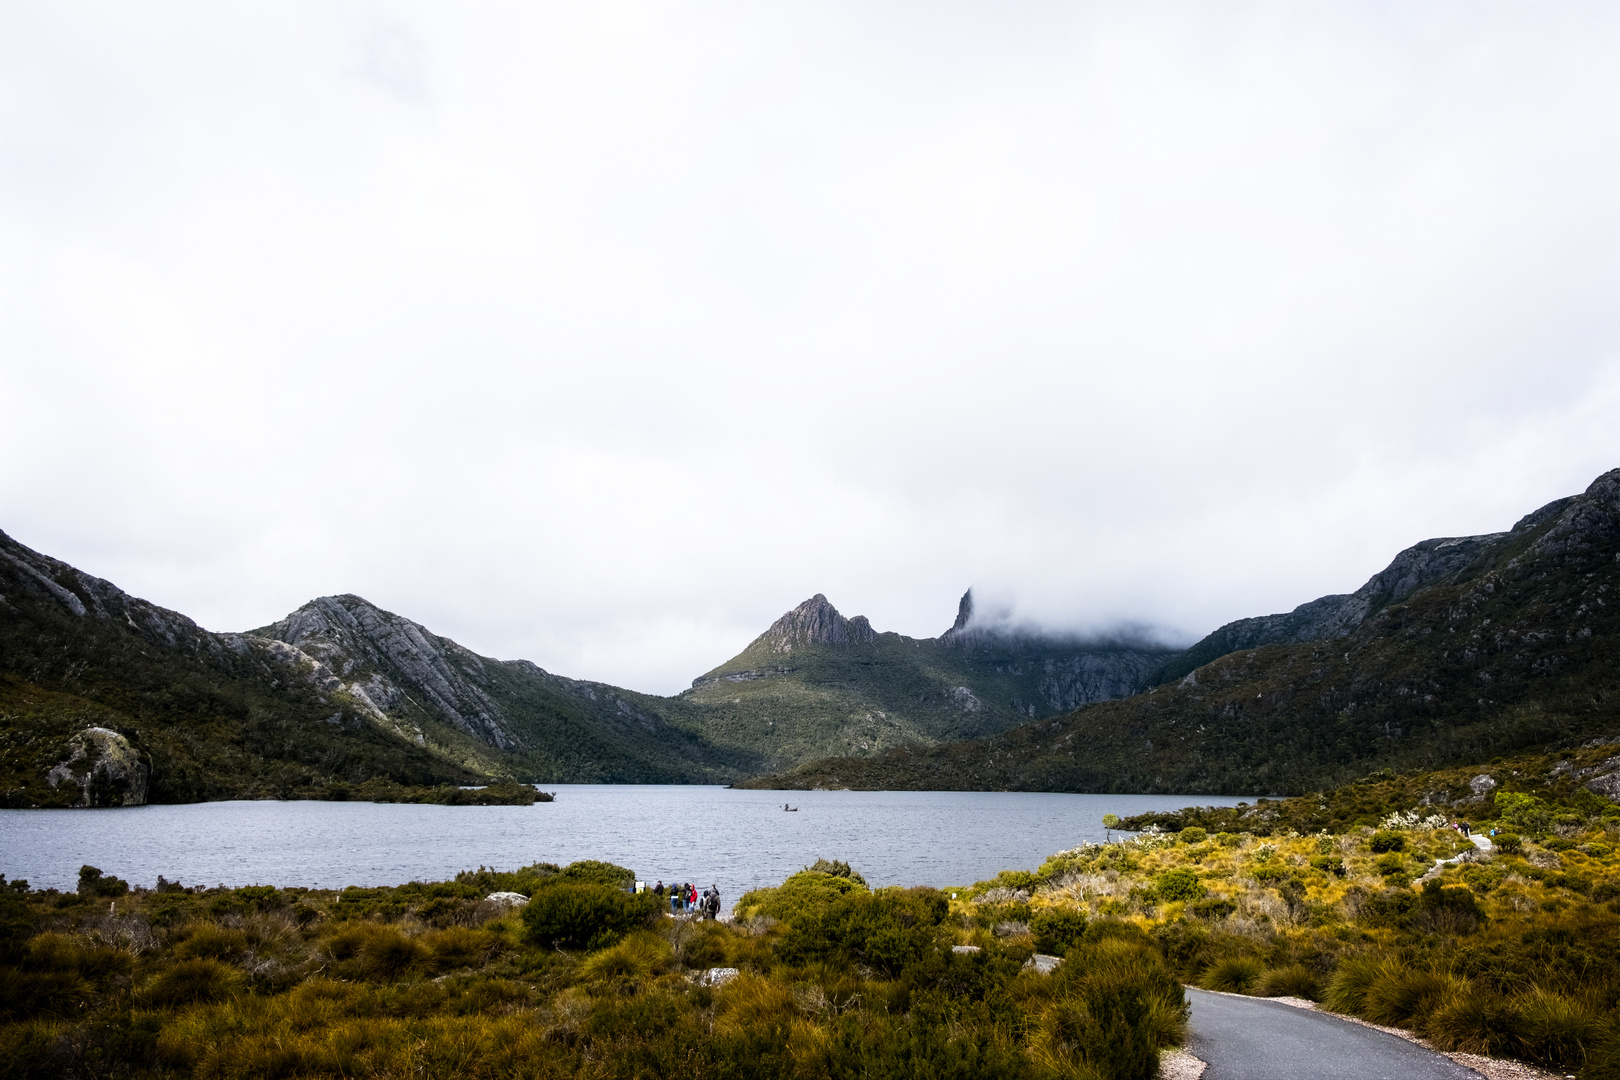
[386,657]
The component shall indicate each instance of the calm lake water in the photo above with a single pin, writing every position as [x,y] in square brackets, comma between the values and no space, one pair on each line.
[737,839]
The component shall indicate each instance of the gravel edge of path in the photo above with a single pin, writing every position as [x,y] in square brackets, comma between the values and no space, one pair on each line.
[1178,1064]
[1488,1067]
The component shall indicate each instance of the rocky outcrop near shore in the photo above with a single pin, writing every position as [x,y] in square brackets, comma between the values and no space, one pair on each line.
[106,769]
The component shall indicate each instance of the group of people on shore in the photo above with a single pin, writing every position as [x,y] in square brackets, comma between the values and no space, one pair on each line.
[684,898]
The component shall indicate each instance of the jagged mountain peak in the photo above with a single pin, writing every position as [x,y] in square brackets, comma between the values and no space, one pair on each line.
[817,622]
[964,612]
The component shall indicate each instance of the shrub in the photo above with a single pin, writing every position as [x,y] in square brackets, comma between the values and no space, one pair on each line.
[887,930]
[1391,864]
[1233,975]
[805,895]
[201,979]
[1194,835]
[1056,929]
[1384,840]
[1179,884]
[586,916]
[1213,909]
[1347,990]
[457,946]
[373,951]
[594,872]
[1399,995]
[93,882]
[1115,1007]
[631,962]
[1556,1029]
[212,941]
[1328,865]
[1447,909]
[836,869]
[1294,980]
[1524,813]
[1508,842]
[1475,1022]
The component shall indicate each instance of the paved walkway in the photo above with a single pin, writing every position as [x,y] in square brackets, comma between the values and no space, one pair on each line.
[1254,1039]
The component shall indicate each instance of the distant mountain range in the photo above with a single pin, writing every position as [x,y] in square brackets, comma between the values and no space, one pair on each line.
[106,698]
[341,691]
[1461,650]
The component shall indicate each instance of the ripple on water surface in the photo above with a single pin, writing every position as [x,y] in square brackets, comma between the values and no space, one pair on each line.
[737,839]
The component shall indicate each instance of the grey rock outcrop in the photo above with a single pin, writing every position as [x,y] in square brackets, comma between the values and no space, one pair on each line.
[106,769]
[386,656]
[817,622]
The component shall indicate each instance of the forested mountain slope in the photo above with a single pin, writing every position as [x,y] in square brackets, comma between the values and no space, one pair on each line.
[1511,644]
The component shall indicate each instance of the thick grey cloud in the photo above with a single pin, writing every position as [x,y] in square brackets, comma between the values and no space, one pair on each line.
[601,333]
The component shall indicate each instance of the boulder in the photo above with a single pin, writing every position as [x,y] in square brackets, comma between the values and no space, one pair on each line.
[1042,964]
[104,766]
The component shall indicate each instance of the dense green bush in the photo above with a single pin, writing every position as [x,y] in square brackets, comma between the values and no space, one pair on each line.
[807,894]
[93,882]
[1385,840]
[1116,1005]
[1180,883]
[1291,980]
[594,872]
[1192,834]
[1056,929]
[202,979]
[1233,975]
[887,930]
[1508,842]
[584,916]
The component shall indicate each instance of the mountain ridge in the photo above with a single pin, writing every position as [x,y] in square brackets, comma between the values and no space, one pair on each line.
[1482,645]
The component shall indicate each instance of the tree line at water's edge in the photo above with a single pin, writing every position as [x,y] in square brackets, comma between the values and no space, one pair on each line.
[1336,898]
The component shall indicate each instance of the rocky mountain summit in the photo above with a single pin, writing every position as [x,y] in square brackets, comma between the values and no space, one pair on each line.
[815,622]
[383,653]
[816,681]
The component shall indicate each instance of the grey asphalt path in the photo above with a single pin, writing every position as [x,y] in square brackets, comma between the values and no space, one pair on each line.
[1254,1039]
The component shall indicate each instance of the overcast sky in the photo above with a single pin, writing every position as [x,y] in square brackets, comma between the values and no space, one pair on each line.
[602,333]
